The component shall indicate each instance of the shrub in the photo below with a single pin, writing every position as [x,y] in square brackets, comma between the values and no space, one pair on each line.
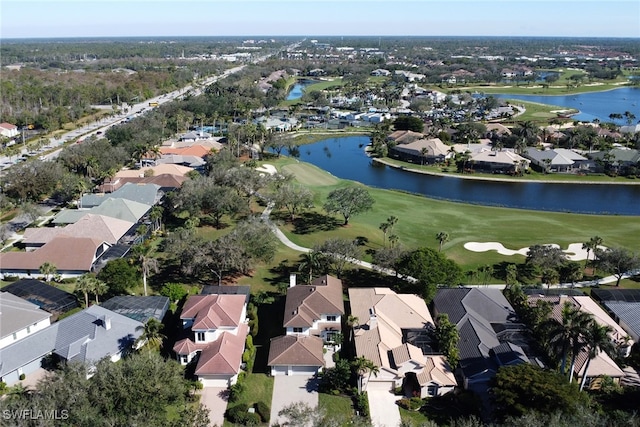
[236,390]
[252,419]
[412,404]
[263,410]
[238,414]
[250,342]
[362,404]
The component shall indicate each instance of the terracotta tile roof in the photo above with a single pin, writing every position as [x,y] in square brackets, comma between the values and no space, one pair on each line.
[157,170]
[193,150]
[66,253]
[214,311]
[296,350]
[187,346]
[405,353]
[405,136]
[436,370]
[306,303]
[224,355]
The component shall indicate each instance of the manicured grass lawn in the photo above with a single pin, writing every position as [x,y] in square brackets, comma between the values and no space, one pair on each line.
[421,218]
[412,418]
[340,407]
[258,388]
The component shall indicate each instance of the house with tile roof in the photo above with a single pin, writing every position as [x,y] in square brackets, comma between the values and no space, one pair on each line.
[19,318]
[394,332]
[88,336]
[72,256]
[424,150]
[498,161]
[8,130]
[296,355]
[154,170]
[490,333]
[603,364]
[312,317]
[99,227]
[315,308]
[166,182]
[216,327]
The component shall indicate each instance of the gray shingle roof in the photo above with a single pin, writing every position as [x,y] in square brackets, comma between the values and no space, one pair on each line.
[141,193]
[16,314]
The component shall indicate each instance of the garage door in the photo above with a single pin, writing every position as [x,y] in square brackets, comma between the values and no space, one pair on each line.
[303,370]
[380,385]
[214,382]
[279,370]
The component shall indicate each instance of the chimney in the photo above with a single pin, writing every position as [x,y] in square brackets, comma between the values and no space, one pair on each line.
[106,322]
[292,280]
[562,299]
[373,319]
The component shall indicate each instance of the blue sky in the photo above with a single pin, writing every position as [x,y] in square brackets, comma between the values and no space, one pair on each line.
[93,18]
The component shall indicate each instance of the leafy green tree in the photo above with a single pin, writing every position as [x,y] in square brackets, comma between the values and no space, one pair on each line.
[414,124]
[430,269]
[174,291]
[617,261]
[338,253]
[119,275]
[517,390]
[447,337]
[293,198]
[349,201]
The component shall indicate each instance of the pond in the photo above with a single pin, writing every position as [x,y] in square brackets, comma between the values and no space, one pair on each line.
[345,158]
[298,89]
[592,105]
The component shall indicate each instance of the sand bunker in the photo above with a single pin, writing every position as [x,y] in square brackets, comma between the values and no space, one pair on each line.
[266,168]
[574,251]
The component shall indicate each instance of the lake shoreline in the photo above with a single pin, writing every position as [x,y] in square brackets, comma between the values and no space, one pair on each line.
[486,178]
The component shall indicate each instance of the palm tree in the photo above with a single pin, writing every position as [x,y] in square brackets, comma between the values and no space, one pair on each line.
[597,340]
[147,264]
[442,237]
[151,337]
[352,322]
[564,332]
[424,151]
[587,246]
[595,241]
[49,270]
[311,261]
[385,228]
[99,288]
[362,365]
[85,284]
[156,216]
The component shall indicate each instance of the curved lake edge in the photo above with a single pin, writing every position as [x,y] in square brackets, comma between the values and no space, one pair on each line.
[486,178]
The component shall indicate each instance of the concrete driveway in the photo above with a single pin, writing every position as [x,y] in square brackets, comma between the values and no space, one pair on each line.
[288,389]
[382,407]
[215,400]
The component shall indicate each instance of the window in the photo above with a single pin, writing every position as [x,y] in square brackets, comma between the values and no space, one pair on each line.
[331,318]
[200,336]
[28,329]
[15,336]
[297,330]
[184,358]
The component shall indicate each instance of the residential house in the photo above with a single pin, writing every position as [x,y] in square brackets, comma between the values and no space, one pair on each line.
[618,158]
[381,72]
[503,161]
[194,136]
[490,334]
[623,129]
[405,136]
[19,318]
[603,364]
[558,160]
[99,227]
[8,130]
[296,355]
[312,317]
[427,151]
[88,336]
[126,210]
[47,297]
[166,182]
[394,332]
[217,329]
[314,309]
[624,306]
[72,257]
[148,194]
[154,171]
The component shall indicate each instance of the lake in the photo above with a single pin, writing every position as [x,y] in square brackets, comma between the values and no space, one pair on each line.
[345,158]
[298,89]
[592,105]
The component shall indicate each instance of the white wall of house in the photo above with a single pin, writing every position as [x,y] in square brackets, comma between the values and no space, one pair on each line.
[294,370]
[218,380]
[18,335]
